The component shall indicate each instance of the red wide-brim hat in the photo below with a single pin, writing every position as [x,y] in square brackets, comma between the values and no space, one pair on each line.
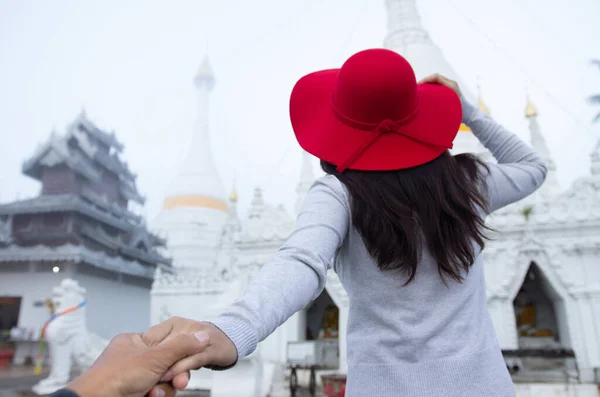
[372,115]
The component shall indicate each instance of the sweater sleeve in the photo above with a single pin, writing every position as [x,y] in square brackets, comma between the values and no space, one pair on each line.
[520,170]
[296,275]
[64,393]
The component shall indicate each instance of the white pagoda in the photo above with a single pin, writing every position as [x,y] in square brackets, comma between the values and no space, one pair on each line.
[542,268]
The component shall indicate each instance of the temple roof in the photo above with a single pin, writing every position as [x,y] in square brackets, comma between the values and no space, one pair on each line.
[74,253]
[140,245]
[81,132]
[134,241]
[56,151]
[65,203]
[86,150]
[110,206]
[108,139]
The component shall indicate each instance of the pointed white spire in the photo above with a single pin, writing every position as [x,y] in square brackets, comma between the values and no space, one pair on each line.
[257,206]
[595,166]
[195,209]
[407,36]
[538,142]
[404,25]
[233,222]
[227,245]
[198,176]
[307,178]
[204,75]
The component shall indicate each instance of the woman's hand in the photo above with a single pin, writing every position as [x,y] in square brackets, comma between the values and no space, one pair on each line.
[220,350]
[441,80]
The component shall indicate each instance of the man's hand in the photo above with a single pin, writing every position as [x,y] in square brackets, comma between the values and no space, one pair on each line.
[129,367]
[220,350]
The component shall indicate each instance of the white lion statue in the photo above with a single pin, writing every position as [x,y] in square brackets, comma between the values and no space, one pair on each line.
[68,340]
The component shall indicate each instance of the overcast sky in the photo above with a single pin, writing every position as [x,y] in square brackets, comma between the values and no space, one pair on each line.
[130,64]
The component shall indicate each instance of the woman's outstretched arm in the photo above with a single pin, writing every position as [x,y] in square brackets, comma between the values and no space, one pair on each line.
[296,274]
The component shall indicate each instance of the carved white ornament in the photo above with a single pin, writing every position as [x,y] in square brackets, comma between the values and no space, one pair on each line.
[68,339]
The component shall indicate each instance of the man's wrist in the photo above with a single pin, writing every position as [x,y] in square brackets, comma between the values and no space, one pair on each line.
[65,393]
[84,386]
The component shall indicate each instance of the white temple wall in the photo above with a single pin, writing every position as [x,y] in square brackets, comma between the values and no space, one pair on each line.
[562,319]
[115,307]
[582,309]
[271,347]
[32,288]
[253,256]
[195,305]
[591,267]
[274,347]
[503,318]
[579,341]
[594,340]
[588,349]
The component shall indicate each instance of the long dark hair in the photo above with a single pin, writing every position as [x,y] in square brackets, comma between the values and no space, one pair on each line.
[438,204]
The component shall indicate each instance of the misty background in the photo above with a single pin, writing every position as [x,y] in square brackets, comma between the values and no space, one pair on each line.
[130,64]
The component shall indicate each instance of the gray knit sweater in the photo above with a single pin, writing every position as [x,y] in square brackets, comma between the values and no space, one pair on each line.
[426,339]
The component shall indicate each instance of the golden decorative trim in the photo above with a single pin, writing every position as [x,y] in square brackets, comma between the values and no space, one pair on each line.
[195,201]
[464,128]
[481,105]
[530,110]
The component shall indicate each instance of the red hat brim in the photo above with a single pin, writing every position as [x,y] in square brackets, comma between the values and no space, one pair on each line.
[320,132]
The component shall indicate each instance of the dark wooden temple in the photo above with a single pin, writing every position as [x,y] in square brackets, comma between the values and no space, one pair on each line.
[80,219]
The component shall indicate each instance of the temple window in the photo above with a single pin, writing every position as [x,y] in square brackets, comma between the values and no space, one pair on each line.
[322,318]
[541,322]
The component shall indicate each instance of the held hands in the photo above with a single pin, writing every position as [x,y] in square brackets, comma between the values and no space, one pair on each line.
[218,350]
[129,367]
[156,362]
